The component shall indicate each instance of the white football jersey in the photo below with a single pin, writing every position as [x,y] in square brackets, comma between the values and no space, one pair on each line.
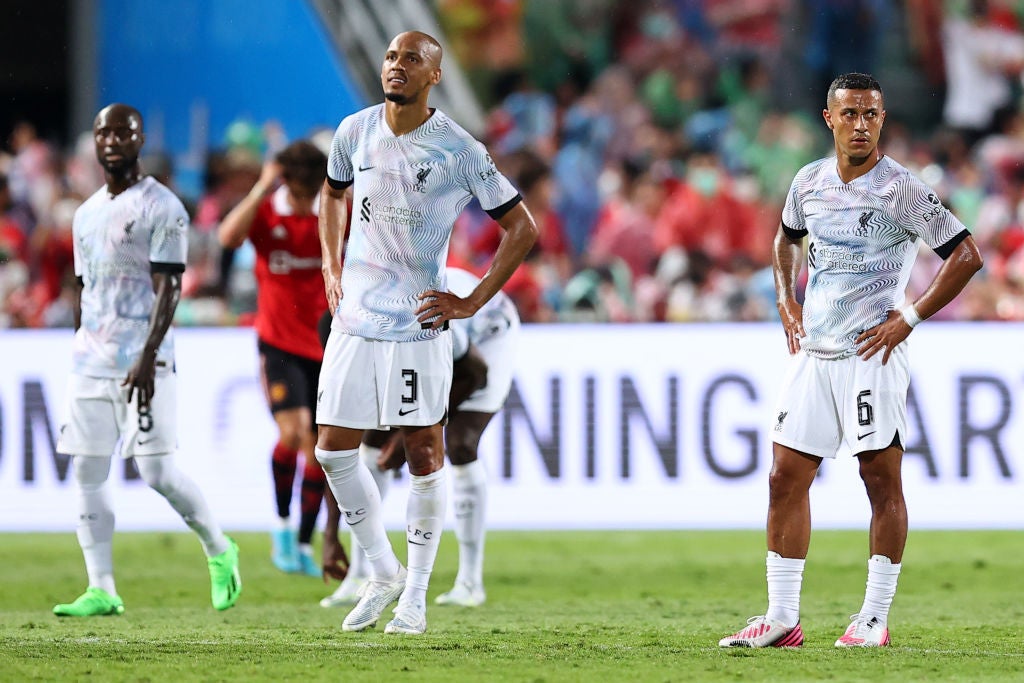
[863,243]
[495,318]
[118,242]
[407,192]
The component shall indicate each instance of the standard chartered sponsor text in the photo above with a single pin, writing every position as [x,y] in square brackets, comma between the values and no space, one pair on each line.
[398,215]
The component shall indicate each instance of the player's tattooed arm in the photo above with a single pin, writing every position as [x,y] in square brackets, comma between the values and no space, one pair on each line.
[141,378]
[787,257]
[964,261]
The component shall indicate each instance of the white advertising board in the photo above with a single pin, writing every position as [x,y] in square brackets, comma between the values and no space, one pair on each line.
[661,426]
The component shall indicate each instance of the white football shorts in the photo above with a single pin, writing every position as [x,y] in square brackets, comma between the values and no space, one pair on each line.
[370,384]
[499,351]
[825,404]
[97,416]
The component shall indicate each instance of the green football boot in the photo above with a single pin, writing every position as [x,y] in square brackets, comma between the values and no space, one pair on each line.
[94,602]
[225,581]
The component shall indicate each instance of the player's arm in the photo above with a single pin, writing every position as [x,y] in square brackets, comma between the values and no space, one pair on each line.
[957,269]
[334,560]
[76,304]
[787,259]
[333,217]
[236,225]
[167,286]
[520,235]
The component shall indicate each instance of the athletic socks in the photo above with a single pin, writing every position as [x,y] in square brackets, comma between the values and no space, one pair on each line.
[164,477]
[359,501]
[313,483]
[424,523]
[469,498]
[881,587]
[95,520]
[282,466]
[358,567]
[785,576]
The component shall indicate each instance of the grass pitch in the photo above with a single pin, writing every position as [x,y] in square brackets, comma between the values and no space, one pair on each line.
[565,606]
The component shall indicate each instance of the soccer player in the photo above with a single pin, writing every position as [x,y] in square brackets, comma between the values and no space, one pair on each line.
[847,381]
[281,223]
[483,352]
[130,243]
[388,360]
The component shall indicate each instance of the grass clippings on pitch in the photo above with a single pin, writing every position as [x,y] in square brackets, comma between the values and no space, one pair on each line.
[563,606]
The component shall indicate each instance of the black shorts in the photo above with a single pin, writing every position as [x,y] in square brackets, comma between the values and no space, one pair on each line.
[289,381]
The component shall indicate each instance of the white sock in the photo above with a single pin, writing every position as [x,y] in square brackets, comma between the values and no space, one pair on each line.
[160,472]
[469,489]
[881,587]
[784,578]
[358,567]
[359,502]
[95,521]
[424,523]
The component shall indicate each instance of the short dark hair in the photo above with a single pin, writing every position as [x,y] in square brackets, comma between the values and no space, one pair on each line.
[304,163]
[853,81]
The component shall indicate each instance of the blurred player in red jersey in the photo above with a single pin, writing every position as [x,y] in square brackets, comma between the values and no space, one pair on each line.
[281,222]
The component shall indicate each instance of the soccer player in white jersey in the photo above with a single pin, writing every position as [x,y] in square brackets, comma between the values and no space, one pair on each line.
[483,351]
[388,362]
[846,385]
[130,243]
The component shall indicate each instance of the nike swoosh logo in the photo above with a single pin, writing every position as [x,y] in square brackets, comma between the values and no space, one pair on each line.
[365,168]
[861,436]
[403,413]
[143,443]
[416,543]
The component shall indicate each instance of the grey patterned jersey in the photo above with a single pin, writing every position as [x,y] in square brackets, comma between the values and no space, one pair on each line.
[407,192]
[118,241]
[863,243]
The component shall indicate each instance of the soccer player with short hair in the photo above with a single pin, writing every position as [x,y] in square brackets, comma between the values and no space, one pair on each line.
[846,385]
[388,361]
[483,351]
[282,224]
[130,242]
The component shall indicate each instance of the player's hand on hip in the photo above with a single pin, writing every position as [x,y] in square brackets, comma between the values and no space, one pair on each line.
[792,315]
[886,336]
[440,307]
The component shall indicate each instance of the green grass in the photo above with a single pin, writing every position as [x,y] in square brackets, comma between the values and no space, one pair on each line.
[566,606]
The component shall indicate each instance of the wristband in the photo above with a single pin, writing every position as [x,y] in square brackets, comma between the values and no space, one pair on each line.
[910,315]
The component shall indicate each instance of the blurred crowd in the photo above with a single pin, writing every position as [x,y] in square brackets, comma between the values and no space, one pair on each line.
[653,140]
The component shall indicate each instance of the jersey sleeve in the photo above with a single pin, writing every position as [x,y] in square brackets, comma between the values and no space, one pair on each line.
[168,247]
[260,229]
[460,337]
[485,182]
[918,209]
[793,223]
[339,162]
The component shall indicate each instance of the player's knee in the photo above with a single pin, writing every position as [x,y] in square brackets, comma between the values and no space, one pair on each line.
[156,471]
[461,453]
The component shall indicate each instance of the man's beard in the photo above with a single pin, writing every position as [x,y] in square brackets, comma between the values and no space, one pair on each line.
[397,98]
[119,167]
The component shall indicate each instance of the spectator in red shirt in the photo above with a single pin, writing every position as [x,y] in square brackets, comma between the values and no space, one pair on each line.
[704,214]
[281,223]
